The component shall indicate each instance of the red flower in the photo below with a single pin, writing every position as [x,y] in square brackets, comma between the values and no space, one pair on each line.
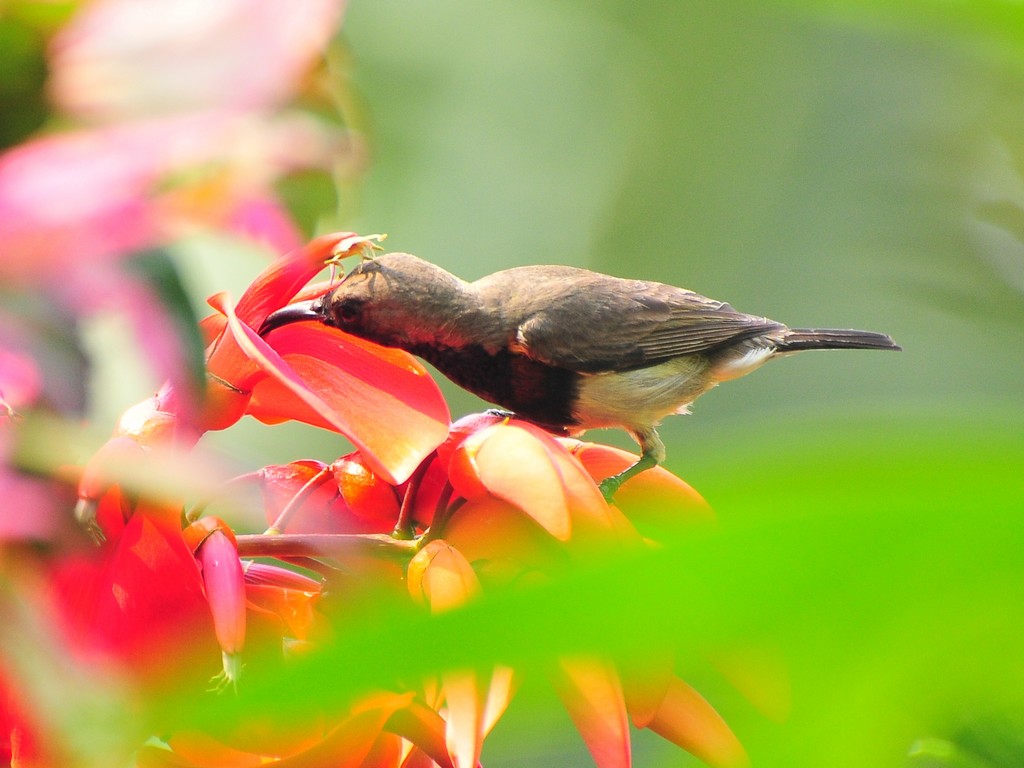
[288,596]
[140,604]
[382,399]
[484,504]
[525,506]
[344,497]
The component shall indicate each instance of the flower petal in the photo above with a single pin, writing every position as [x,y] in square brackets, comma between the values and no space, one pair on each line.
[499,694]
[441,576]
[645,681]
[527,467]
[224,583]
[348,745]
[590,689]
[686,719]
[385,752]
[596,524]
[42,507]
[465,699]
[223,405]
[320,508]
[96,476]
[368,497]
[293,607]
[213,544]
[145,603]
[464,428]
[501,542]
[656,501]
[263,219]
[285,277]
[49,210]
[148,422]
[425,729]
[53,220]
[382,400]
[513,465]
[201,749]
[265,574]
[20,381]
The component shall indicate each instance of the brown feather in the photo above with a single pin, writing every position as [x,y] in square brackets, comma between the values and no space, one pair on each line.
[628,323]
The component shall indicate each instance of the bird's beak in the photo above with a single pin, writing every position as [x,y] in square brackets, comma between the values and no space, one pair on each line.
[298,312]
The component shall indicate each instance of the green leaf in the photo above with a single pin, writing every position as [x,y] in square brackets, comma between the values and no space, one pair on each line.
[894,611]
[158,272]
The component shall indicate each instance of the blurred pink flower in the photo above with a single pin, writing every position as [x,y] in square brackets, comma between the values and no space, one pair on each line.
[73,206]
[20,381]
[34,507]
[189,129]
[121,59]
[88,197]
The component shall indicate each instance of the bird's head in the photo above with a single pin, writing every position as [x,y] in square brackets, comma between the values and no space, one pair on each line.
[397,300]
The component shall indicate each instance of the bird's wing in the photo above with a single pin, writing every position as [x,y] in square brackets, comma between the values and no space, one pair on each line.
[622,324]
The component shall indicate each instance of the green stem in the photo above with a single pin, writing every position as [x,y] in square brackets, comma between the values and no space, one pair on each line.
[442,513]
[297,501]
[405,527]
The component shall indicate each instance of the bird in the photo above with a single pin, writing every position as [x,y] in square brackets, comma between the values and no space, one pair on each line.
[565,348]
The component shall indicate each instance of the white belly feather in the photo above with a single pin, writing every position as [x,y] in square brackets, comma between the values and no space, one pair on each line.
[642,397]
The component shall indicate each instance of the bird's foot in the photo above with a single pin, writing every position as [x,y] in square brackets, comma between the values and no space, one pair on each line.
[609,486]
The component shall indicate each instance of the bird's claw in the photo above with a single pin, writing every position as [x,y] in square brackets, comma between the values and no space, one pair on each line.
[609,486]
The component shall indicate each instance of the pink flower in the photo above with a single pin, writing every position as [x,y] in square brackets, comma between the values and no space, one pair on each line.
[119,59]
[213,545]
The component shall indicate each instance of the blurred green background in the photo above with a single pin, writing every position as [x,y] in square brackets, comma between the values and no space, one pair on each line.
[824,164]
[815,168]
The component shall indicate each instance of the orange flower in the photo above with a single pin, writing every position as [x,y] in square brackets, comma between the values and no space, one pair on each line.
[590,689]
[655,501]
[526,506]
[443,579]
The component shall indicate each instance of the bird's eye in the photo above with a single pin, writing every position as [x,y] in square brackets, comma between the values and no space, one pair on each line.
[347,311]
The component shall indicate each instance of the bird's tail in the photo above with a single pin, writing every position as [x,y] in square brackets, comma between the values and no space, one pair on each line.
[797,339]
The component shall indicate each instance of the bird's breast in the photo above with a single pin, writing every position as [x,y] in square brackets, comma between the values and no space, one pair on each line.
[535,391]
